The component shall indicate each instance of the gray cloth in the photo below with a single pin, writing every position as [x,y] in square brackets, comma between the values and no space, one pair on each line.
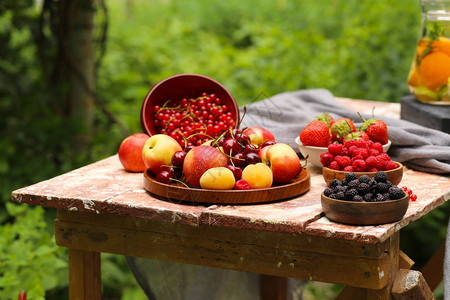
[286,114]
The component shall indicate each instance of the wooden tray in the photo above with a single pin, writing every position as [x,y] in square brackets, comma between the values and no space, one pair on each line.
[179,192]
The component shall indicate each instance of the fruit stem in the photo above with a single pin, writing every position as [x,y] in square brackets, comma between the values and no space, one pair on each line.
[243,115]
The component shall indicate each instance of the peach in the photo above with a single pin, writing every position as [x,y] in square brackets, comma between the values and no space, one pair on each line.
[259,135]
[200,159]
[158,152]
[218,178]
[130,152]
[282,160]
[258,176]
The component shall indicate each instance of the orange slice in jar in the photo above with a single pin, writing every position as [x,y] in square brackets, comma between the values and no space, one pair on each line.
[442,45]
[434,70]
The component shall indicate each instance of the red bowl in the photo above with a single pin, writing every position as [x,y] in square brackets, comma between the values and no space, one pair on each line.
[182,86]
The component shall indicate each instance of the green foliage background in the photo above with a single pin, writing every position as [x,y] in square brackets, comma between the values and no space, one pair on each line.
[357,49]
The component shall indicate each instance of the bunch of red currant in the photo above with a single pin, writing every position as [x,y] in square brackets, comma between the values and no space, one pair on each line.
[412,197]
[193,121]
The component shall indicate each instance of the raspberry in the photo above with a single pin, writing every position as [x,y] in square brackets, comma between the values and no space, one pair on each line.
[348,169]
[335,166]
[384,156]
[335,149]
[373,152]
[377,146]
[364,152]
[371,162]
[344,152]
[326,158]
[350,176]
[361,144]
[350,143]
[372,170]
[343,161]
[380,176]
[352,150]
[357,157]
[359,165]
[390,165]
[369,143]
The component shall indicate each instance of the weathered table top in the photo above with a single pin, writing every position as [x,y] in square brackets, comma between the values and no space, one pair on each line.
[104,187]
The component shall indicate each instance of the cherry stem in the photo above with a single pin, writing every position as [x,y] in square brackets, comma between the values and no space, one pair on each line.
[243,115]
[180,181]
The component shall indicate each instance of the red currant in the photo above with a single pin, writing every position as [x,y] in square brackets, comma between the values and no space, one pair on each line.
[413,197]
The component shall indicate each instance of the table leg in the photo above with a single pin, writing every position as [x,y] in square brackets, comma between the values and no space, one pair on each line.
[273,287]
[84,275]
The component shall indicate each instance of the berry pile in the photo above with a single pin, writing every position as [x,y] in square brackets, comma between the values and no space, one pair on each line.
[364,188]
[357,156]
[193,121]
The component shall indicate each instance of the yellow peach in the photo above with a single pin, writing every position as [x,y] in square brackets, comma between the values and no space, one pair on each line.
[218,178]
[258,176]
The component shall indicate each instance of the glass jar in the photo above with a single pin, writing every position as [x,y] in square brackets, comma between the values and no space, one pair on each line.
[429,77]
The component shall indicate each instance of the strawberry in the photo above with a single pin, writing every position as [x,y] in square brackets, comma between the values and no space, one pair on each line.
[356,135]
[316,134]
[340,128]
[326,118]
[375,129]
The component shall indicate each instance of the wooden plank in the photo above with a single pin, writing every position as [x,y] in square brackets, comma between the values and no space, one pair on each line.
[286,240]
[210,250]
[410,284]
[350,292]
[84,275]
[433,271]
[273,287]
[404,262]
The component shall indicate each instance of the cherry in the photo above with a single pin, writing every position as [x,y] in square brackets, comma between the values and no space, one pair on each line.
[268,143]
[241,185]
[231,147]
[239,159]
[250,148]
[178,158]
[164,177]
[237,172]
[252,158]
[242,138]
[188,148]
[232,133]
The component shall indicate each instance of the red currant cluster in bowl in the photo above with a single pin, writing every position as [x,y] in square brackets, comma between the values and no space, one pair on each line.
[193,121]
[412,196]
[357,156]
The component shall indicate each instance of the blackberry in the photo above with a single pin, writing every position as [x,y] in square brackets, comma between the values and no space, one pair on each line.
[379,198]
[387,196]
[364,179]
[363,189]
[368,197]
[332,196]
[396,193]
[338,189]
[358,198]
[327,192]
[334,183]
[382,187]
[350,176]
[353,184]
[380,176]
[372,182]
[344,182]
[349,194]
[340,196]
[389,183]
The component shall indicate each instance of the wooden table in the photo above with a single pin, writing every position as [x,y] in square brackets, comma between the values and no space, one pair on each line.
[103,208]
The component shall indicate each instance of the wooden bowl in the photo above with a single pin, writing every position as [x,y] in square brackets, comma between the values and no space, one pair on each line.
[364,213]
[182,86]
[394,175]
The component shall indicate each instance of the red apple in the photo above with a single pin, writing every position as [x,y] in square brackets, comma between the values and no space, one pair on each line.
[282,160]
[199,160]
[130,152]
[158,152]
[259,135]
